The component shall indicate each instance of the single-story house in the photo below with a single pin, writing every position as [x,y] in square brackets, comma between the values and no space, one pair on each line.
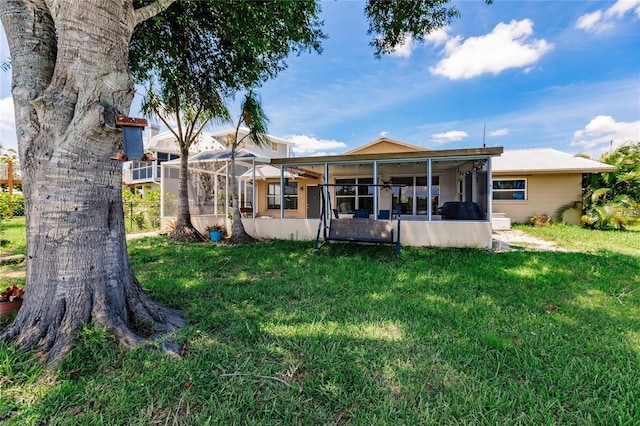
[529,182]
[294,197]
[383,178]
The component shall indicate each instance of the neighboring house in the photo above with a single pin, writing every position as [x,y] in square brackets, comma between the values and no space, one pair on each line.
[164,147]
[10,175]
[529,182]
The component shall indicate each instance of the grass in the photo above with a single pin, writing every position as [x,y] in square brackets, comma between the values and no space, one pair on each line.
[13,239]
[276,335]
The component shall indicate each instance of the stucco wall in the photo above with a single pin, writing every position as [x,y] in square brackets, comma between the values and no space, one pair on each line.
[545,194]
[413,233]
[261,199]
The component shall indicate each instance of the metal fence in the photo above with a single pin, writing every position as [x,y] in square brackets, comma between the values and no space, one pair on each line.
[12,229]
[138,216]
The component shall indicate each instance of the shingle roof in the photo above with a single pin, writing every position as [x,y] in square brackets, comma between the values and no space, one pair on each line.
[545,160]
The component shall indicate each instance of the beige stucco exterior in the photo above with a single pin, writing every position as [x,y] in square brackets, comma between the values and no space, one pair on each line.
[545,194]
[413,233]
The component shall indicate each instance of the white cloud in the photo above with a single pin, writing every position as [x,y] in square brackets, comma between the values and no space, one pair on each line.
[600,21]
[309,145]
[589,20]
[451,136]
[507,46]
[438,37]
[599,134]
[384,134]
[404,49]
[500,132]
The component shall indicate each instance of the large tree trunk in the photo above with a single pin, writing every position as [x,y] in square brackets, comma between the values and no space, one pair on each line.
[69,62]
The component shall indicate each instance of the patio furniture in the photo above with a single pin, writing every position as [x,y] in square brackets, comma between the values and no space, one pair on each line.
[360,228]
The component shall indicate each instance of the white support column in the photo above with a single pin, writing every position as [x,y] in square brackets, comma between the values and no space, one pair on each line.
[489,191]
[474,186]
[327,213]
[281,191]
[254,206]
[376,191]
[429,184]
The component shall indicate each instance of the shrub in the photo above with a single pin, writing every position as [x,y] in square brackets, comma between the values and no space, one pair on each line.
[540,220]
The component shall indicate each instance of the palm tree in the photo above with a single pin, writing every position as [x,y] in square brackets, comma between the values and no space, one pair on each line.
[611,200]
[253,117]
[192,114]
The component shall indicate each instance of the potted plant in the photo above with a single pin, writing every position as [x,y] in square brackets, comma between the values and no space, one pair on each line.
[216,232]
[10,300]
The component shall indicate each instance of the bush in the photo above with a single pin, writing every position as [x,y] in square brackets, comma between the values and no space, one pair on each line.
[540,220]
[11,205]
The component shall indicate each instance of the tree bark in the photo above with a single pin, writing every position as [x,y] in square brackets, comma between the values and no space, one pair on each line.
[238,234]
[184,229]
[69,61]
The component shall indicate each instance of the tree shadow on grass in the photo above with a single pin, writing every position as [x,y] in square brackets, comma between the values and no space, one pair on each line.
[482,332]
[434,337]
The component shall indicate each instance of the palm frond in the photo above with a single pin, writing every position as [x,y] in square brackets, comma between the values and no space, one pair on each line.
[560,211]
[254,117]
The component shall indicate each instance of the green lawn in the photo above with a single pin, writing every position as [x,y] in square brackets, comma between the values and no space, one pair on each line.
[276,335]
[13,239]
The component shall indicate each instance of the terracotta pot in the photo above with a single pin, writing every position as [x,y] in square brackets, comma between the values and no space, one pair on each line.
[8,308]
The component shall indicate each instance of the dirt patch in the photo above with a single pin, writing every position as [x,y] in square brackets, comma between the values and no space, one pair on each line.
[514,239]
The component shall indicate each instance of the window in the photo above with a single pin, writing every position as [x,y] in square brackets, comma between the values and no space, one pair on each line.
[274,147]
[161,158]
[510,189]
[290,195]
[365,194]
[350,195]
[406,201]
[422,194]
[346,195]
[142,170]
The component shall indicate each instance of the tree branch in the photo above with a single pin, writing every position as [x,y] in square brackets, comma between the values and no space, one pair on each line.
[151,10]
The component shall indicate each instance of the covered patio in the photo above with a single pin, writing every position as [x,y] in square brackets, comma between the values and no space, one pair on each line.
[420,185]
[431,190]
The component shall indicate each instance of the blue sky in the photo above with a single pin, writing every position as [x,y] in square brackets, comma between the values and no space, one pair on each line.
[537,74]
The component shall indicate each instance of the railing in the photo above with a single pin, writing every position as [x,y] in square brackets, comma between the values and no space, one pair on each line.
[139,171]
[15,169]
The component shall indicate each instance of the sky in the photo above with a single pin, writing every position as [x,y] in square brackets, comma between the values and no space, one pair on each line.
[516,74]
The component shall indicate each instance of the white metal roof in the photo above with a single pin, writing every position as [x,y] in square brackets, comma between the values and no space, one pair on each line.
[545,160]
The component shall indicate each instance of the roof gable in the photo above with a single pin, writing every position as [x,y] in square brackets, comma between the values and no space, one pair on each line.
[385,145]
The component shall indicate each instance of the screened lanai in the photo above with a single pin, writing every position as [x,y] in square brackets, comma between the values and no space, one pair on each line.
[428,188]
[208,184]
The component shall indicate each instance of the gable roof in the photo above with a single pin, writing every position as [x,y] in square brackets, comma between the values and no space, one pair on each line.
[385,145]
[545,160]
[243,131]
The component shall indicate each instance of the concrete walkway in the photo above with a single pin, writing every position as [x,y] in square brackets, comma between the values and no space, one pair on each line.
[513,239]
[142,234]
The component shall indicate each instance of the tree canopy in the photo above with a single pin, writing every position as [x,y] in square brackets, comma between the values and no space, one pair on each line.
[198,47]
[73,65]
